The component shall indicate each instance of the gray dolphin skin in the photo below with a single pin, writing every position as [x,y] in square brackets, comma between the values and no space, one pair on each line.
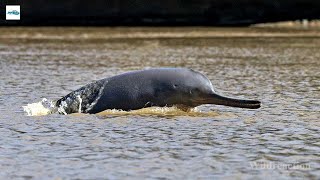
[145,88]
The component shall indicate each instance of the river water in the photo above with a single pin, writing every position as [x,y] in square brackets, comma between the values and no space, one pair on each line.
[279,67]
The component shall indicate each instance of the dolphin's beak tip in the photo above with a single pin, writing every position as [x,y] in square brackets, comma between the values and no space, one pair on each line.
[257,104]
[221,100]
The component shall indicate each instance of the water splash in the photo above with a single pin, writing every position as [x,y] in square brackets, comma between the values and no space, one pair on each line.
[159,111]
[46,107]
[80,102]
[62,107]
[42,108]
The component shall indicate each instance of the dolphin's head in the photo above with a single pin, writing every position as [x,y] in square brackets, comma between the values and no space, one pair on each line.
[196,89]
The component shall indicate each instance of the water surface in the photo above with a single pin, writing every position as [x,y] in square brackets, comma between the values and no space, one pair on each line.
[280,67]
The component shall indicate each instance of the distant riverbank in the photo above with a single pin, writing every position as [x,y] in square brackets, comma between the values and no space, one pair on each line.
[109,33]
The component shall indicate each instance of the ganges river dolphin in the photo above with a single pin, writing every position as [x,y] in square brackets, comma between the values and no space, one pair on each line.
[161,87]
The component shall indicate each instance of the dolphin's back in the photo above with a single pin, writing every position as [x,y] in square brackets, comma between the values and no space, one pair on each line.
[128,91]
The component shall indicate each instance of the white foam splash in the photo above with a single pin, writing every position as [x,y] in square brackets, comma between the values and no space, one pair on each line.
[61,108]
[80,102]
[44,107]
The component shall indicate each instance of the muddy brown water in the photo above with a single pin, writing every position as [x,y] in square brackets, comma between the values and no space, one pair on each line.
[280,67]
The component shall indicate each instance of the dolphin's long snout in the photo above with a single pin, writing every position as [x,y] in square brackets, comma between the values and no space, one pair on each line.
[220,100]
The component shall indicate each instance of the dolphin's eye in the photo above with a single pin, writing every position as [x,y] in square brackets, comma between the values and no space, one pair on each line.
[175,85]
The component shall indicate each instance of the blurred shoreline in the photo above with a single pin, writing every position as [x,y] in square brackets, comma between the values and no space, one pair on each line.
[225,13]
[283,29]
